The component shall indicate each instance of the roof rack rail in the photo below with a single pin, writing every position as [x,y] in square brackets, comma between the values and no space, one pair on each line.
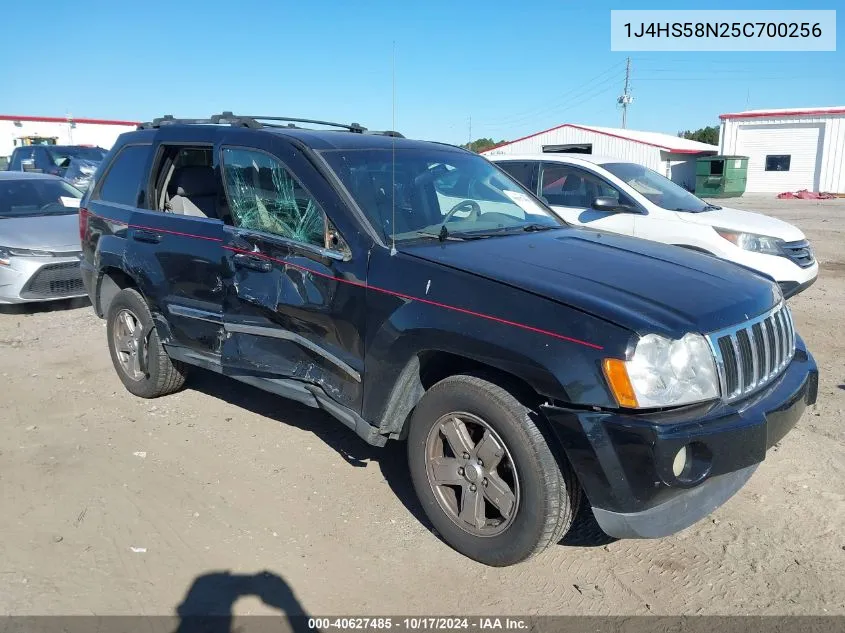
[352,127]
[392,133]
[169,119]
[256,122]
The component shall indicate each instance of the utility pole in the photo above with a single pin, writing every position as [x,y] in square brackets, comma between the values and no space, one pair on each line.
[469,137]
[625,99]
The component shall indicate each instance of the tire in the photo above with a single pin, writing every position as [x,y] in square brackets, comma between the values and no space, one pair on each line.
[544,495]
[155,374]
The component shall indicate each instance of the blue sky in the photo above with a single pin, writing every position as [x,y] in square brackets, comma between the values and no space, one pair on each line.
[512,67]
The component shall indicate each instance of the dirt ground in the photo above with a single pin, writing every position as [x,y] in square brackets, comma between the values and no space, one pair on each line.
[116,505]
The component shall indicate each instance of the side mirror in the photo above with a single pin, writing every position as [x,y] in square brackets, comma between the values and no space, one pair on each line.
[610,205]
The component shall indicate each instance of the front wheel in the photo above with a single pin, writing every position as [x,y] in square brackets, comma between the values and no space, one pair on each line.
[486,476]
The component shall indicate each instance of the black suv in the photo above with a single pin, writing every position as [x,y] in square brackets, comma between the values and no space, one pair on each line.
[416,292]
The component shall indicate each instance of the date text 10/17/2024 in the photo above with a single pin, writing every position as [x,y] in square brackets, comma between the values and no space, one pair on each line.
[419,623]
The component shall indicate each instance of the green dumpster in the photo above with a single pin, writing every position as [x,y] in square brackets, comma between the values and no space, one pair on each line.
[720,176]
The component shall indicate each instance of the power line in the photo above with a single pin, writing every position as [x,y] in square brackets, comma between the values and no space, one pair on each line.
[573,103]
[564,97]
[608,84]
[585,99]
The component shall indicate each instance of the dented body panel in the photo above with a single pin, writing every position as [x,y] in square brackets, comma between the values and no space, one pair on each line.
[286,313]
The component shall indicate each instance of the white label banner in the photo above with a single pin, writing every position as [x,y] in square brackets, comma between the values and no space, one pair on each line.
[723,30]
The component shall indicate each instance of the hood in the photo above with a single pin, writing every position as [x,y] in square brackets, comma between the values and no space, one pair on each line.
[637,284]
[57,233]
[745,222]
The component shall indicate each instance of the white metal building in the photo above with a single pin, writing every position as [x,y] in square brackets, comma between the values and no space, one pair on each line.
[66,131]
[788,149]
[672,156]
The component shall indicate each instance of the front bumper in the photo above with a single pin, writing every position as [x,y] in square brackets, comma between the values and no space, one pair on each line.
[792,288]
[791,277]
[28,279]
[624,461]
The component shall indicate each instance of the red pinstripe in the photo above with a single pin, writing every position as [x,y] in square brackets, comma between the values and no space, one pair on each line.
[179,233]
[445,306]
[360,284]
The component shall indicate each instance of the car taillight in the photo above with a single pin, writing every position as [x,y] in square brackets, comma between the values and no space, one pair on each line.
[83,223]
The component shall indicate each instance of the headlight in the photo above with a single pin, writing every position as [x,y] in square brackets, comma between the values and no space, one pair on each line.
[7,253]
[752,242]
[664,373]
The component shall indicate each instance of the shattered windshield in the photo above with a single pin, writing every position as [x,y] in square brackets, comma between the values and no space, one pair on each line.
[413,193]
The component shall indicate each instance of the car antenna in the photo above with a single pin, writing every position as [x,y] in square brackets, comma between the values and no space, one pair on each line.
[393,154]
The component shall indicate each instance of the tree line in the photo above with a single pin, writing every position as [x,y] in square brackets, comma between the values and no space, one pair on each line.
[709,135]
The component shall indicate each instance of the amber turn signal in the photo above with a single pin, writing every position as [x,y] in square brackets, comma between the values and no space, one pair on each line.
[620,384]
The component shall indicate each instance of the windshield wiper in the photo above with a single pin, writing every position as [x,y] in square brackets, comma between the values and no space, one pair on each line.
[540,227]
[706,207]
[444,235]
[510,230]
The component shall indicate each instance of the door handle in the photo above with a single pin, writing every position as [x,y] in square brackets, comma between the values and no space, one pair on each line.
[141,235]
[252,262]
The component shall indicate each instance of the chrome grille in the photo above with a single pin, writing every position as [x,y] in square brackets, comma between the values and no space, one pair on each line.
[800,252]
[753,353]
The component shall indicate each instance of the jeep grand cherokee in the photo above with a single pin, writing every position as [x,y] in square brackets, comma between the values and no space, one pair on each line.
[522,360]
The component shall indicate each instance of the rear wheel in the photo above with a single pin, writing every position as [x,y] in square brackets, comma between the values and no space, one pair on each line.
[485,474]
[138,356]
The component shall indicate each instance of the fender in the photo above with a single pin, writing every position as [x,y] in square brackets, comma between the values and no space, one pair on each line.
[417,307]
[399,371]
[108,254]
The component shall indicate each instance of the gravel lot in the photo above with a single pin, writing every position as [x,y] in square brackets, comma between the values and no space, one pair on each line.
[117,505]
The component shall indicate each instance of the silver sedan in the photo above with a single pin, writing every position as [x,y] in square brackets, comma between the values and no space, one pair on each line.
[39,238]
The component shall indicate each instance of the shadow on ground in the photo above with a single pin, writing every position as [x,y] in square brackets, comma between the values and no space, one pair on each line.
[355,451]
[585,530]
[208,604]
[39,307]
[391,459]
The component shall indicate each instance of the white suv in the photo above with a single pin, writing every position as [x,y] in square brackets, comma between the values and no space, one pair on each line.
[612,195]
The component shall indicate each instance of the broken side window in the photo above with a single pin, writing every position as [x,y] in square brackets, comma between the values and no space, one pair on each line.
[264,196]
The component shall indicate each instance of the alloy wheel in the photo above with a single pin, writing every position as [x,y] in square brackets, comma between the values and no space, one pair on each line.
[472,474]
[130,344]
